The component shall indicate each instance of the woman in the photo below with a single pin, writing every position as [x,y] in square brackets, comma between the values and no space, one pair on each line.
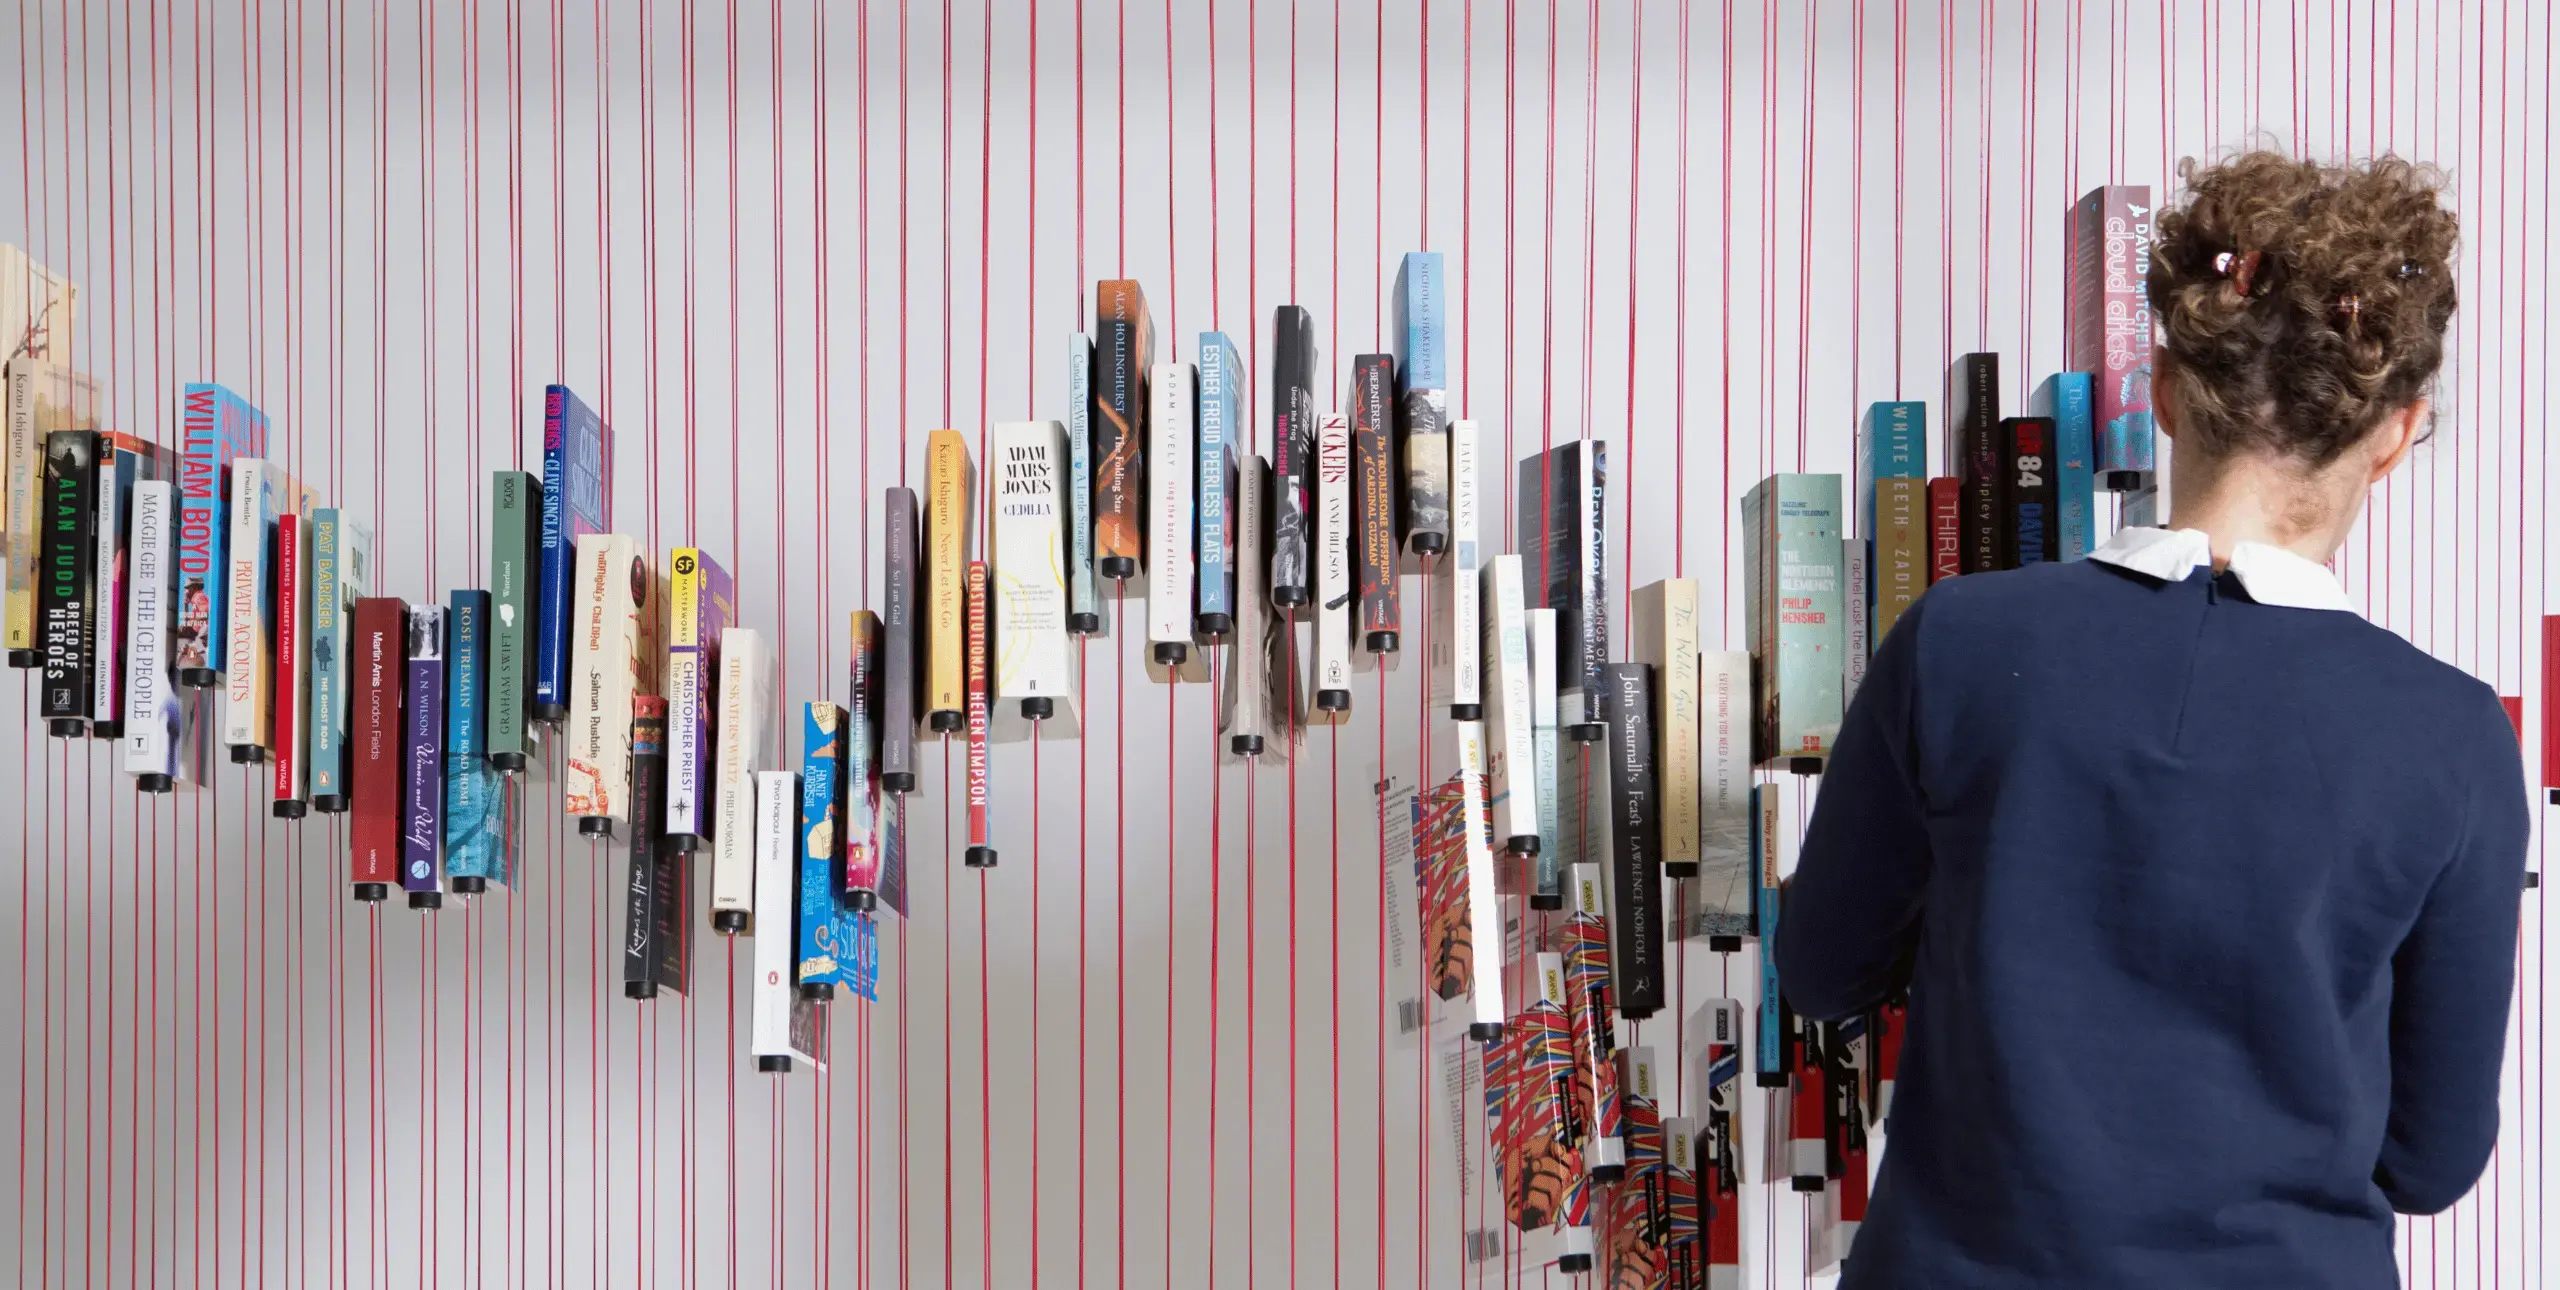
[2205,890]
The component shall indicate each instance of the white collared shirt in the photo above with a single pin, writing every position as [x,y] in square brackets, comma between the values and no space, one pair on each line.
[2271,574]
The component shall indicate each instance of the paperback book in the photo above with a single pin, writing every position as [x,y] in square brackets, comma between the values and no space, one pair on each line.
[1334,535]
[1461,916]
[1510,727]
[947,552]
[422,763]
[2064,397]
[1124,354]
[1632,825]
[1893,470]
[1946,528]
[154,722]
[701,604]
[1374,477]
[378,745]
[1638,1227]
[1422,390]
[861,774]
[901,671]
[1241,700]
[744,744]
[45,398]
[2028,496]
[1224,396]
[1456,639]
[1717,1071]
[123,462]
[1719,898]
[515,547]
[66,580]
[618,599]
[981,853]
[1545,880]
[1084,598]
[824,930]
[1170,657]
[258,497]
[1591,1007]
[1293,452]
[1792,613]
[291,670]
[782,1027]
[1528,1075]
[655,936]
[1035,666]
[577,448]
[1772,838]
[2108,332]
[219,429]
[1973,454]
[341,573]
[1683,1222]
[475,823]
[1562,495]
[1663,618]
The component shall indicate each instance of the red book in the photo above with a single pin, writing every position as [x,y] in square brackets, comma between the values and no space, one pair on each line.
[1808,1098]
[981,853]
[287,737]
[378,658]
[2551,707]
[1884,1038]
[1946,530]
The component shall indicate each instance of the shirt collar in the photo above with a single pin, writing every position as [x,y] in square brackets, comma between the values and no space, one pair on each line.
[2271,574]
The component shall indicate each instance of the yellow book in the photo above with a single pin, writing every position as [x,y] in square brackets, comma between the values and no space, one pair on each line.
[1665,627]
[946,561]
[43,397]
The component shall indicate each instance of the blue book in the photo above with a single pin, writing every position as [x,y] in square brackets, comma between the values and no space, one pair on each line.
[575,445]
[826,932]
[218,427]
[1422,355]
[475,852]
[1222,427]
[2067,397]
[1769,1057]
[1084,600]
[1892,444]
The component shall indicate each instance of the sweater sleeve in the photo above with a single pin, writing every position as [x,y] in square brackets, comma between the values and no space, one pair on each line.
[1852,911]
[2451,982]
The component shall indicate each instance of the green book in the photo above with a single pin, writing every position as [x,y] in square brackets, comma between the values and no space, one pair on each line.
[514,550]
[1793,616]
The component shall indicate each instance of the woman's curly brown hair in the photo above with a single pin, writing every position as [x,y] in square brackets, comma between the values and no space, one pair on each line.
[2299,303]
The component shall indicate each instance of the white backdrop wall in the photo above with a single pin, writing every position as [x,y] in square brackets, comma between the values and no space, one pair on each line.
[776,245]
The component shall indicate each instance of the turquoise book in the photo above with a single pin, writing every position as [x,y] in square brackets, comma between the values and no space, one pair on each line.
[2068,398]
[475,852]
[1794,616]
[826,920]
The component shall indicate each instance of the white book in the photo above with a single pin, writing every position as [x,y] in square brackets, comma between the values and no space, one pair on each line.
[611,644]
[1664,624]
[1172,560]
[1035,670]
[1720,896]
[1240,707]
[782,1026]
[246,620]
[1335,586]
[153,717]
[1457,641]
[743,741]
[685,697]
[1484,900]
[1508,717]
[110,501]
[1853,659]
[1547,744]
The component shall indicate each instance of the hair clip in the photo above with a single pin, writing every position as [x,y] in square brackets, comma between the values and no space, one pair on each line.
[2241,269]
[2410,269]
[2352,306]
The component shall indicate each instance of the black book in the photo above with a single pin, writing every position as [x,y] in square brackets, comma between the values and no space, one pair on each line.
[1633,871]
[653,957]
[1564,567]
[67,552]
[1973,451]
[1293,450]
[901,680]
[1373,490]
[2030,495]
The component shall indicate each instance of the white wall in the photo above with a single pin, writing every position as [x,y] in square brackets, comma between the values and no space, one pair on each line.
[228,1072]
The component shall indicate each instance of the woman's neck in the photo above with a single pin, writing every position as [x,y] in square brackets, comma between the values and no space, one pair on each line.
[2265,500]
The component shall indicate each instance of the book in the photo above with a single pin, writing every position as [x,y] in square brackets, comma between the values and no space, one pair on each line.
[2065,397]
[1241,700]
[1973,456]
[1454,876]
[1333,538]
[1457,642]
[981,853]
[1807,1106]
[782,1024]
[1527,1075]
[1886,1029]
[946,558]
[1084,598]
[1510,723]
[1637,1220]
[1663,619]
[65,578]
[378,744]
[1399,806]
[1632,825]
[822,931]
[744,744]
[292,593]
[1293,449]
[2028,495]
[123,461]
[154,719]
[38,306]
[1853,625]
[1223,399]
[2108,329]
[1590,1006]
[1791,604]
[1717,1072]
[577,452]
[701,603]
[1124,357]
[1546,872]
[341,573]
[1892,444]
[1035,666]
[1172,392]
[1946,534]
[1899,556]
[618,598]
[655,936]
[475,824]
[45,398]
[1422,398]
[249,615]
[1719,898]
[861,773]
[1374,476]
[1772,834]
[515,548]
[218,429]
[1562,494]
[1683,1222]
[422,761]
[901,671]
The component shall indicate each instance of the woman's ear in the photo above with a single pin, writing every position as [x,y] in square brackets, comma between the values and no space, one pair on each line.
[2164,412]
[2394,437]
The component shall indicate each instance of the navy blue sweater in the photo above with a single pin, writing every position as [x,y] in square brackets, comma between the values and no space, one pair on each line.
[2208,913]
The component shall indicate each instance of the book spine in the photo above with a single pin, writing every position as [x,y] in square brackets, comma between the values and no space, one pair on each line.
[2110,327]
[1770,831]
[1805,1106]
[1683,1222]
[689,707]
[899,674]
[325,751]
[821,930]
[1946,538]
[244,669]
[746,702]
[1422,378]
[66,582]
[117,468]
[1528,1076]
[23,538]
[777,804]
[1591,548]
[946,535]
[1484,906]
[1333,575]
[1887,1028]
[1293,467]
[1582,939]
[422,765]
[1853,626]
[1221,428]
[1720,896]
[1637,1223]
[152,711]
[1373,486]
[1170,534]
[1124,356]
[2030,498]
[1511,731]
[474,809]
[1665,625]
[653,897]
[1084,599]
[556,601]
[981,853]
[1547,516]
[379,736]
[862,763]
[1035,668]
[616,646]
[1810,638]
[2064,397]
[1240,705]
[1973,454]
[1901,559]
[204,534]
[1464,639]
[1634,867]
[289,669]
[1546,884]
[515,506]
